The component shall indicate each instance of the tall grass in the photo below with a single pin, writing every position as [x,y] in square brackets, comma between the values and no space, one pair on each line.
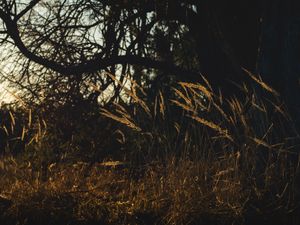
[248,144]
[194,157]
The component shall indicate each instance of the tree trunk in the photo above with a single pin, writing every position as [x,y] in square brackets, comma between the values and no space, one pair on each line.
[227,40]
[279,61]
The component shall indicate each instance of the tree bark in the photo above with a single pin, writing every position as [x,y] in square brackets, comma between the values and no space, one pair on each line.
[227,40]
[279,61]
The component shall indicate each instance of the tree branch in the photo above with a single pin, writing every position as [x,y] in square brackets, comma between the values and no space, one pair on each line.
[92,65]
[27,9]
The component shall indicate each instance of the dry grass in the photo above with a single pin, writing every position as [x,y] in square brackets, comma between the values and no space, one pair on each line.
[177,192]
[210,161]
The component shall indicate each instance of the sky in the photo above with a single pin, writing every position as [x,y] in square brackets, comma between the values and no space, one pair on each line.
[5,95]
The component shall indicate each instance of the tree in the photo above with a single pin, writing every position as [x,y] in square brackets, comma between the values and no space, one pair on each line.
[280,52]
[72,42]
[67,38]
[67,45]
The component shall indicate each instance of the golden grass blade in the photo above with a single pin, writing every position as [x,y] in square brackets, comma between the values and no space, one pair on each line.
[183,106]
[207,83]
[126,120]
[182,96]
[221,111]
[177,127]
[199,87]
[12,118]
[261,142]
[213,126]
[5,129]
[162,106]
[259,81]
[23,133]
[29,117]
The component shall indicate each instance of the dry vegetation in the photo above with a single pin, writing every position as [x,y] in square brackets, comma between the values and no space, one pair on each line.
[193,159]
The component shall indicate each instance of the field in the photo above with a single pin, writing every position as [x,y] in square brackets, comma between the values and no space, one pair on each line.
[193,159]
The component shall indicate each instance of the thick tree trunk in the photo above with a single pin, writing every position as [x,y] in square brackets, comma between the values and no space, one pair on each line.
[227,40]
[279,62]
